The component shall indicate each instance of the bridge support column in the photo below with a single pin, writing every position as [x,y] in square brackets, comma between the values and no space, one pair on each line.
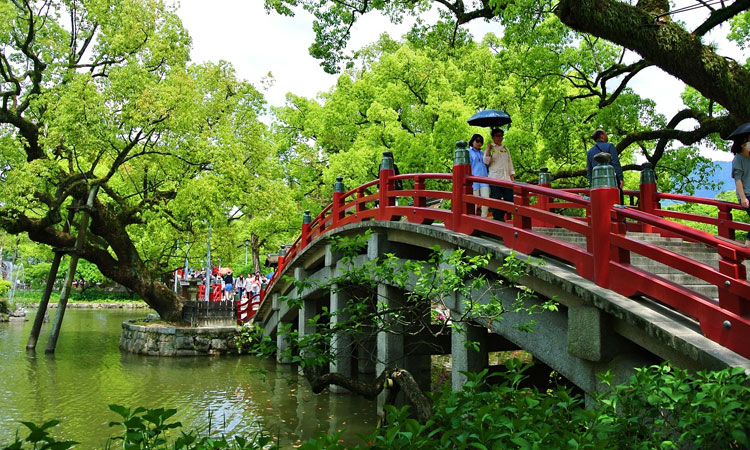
[588,336]
[307,311]
[342,342]
[464,358]
[366,354]
[282,345]
[391,347]
[378,245]
[390,343]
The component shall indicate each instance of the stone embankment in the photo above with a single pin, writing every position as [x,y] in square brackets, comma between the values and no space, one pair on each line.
[158,339]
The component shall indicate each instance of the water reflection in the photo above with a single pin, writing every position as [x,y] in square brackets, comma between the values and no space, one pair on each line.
[88,372]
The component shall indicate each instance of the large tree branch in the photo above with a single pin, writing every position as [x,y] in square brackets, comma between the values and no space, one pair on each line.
[390,378]
[721,15]
[38,66]
[462,16]
[665,44]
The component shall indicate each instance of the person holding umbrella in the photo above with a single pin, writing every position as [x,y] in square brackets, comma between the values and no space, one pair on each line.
[495,119]
[478,168]
[741,167]
[500,166]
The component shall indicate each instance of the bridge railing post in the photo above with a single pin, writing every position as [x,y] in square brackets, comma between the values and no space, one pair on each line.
[461,168]
[360,206]
[385,185]
[647,194]
[419,185]
[731,265]
[725,218]
[306,221]
[604,195]
[280,264]
[521,197]
[545,180]
[337,208]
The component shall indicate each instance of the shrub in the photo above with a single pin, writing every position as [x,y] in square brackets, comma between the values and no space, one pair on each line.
[660,407]
[143,429]
[4,286]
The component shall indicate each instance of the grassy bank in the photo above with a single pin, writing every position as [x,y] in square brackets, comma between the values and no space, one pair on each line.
[91,295]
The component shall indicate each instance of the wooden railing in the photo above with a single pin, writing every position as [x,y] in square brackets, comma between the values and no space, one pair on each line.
[247,308]
[593,214]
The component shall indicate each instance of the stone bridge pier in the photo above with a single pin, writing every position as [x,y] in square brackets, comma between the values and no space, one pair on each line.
[592,331]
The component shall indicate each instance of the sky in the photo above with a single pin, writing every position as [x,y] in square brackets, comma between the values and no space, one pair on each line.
[256,43]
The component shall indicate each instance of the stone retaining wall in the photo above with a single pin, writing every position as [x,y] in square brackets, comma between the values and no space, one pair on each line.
[164,340]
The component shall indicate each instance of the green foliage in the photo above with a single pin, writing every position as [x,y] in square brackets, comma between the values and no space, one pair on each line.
[411,99]
[89,295]
[5,286]
[39,438]
[144,429]
[250,338]
[106,95]
[709,211]
[660,407]
[664,407]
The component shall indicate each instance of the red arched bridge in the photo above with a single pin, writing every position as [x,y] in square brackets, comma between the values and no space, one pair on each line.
[679,292]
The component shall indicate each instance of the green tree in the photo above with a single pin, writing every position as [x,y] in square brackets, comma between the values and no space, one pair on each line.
[412,99]
[587,43]
[102,94]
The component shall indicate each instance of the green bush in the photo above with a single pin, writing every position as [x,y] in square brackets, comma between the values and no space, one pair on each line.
[4,286]
[660,407]
[88,295]
[143,429]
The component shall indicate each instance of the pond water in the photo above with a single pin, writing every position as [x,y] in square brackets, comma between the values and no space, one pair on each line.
[88,372]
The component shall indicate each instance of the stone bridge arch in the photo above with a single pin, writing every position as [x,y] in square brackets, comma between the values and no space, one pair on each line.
[594,330]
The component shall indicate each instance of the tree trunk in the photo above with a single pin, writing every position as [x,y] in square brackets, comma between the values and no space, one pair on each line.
[394,379]
[117,258]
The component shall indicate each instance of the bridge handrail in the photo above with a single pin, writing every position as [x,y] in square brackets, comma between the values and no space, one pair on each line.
[680,230]
[606,257]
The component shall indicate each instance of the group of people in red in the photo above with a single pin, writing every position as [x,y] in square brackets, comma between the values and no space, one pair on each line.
[224,285]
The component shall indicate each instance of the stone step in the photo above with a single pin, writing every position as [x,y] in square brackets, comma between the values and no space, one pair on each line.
[708,258]
[674,244]
[659,268]
[696,251]
[684,279]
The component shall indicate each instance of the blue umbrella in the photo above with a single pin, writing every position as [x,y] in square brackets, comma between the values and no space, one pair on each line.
[741,131]
[490,118]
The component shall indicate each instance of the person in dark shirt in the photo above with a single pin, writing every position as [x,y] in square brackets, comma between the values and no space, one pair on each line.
[398,184]
[228,286]
[602,145]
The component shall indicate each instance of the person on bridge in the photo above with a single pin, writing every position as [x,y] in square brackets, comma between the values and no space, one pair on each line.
[602,145]
[478,168]
[249,285]
[741,174]
[240,285]
[500,166]
[398,184]
[228,286]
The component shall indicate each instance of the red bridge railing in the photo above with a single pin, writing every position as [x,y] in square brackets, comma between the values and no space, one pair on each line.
[593,214]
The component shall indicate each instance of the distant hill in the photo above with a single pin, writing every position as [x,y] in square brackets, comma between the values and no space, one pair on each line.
[723,174]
